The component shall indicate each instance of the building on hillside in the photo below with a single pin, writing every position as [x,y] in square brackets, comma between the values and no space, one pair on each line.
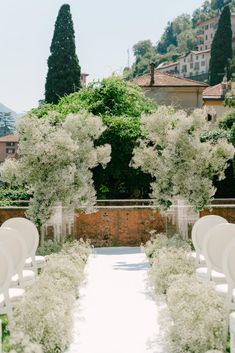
[206,32]
[167,89]
[8,147]
[195,65]
[169,67]
[214,99]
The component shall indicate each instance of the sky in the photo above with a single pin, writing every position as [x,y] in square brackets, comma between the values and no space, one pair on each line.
[104,30]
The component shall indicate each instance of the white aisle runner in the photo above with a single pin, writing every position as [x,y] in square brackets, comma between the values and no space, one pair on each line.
[115,312]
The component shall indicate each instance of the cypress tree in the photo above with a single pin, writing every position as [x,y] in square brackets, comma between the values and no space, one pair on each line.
[64,72]
[221,50]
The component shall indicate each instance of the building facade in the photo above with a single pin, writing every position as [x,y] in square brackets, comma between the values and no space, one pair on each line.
[206,32]
[8,147]
[169,67]
[214,100]
[195,65]
[167,89]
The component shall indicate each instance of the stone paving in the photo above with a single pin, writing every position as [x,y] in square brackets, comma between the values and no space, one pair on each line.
[116,312]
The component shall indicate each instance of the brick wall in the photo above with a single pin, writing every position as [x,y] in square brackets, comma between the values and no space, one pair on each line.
[119,226]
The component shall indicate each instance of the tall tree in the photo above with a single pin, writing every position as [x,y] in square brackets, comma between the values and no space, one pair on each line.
[221,50]
[64,72]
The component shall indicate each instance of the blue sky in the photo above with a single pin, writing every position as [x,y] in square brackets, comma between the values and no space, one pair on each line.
[104,29]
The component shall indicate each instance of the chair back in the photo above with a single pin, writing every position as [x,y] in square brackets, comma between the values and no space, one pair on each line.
[6,269]
[215,244]
[229,263]
[15,246]
[201,227]
[28,232]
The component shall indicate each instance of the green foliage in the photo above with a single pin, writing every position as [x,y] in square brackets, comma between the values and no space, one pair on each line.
[11,195]
[203,13]
[228,121]
[5,332]
[49,247]
[221,50]
[214,135]
[120,104]
[167,39]
[145,54]
[64,72]
[217,4]
[111,97]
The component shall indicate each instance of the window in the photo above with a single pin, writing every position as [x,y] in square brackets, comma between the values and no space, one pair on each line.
[10,144]
[206,46]
[206,27]
[184,68]
[211,35]
[206,37]
[184,60]
[197,65]
[203,56]
[203,63]
[10,150]
[197,57]
[191,66]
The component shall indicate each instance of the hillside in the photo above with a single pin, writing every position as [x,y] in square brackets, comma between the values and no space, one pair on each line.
[179,37]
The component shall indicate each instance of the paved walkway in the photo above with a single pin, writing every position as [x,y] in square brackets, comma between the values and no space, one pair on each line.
[115,312]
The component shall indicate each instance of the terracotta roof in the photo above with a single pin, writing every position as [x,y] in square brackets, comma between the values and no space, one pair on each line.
[163,79]
[213,92]
[9,138]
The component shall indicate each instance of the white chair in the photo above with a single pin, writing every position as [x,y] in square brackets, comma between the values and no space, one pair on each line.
[8,296]
[29,233]
[16,248]
[215,243]
[228,262]
[200,228]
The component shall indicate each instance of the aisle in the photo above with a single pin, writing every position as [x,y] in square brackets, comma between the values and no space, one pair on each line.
[115,312]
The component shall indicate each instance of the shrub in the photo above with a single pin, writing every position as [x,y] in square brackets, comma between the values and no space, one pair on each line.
[20,343]
[161,240]
[198,315]
[49,247]
[168,263]
[45,313]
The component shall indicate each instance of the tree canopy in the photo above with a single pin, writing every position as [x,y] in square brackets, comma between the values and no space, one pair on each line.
[120,104]
[64,72]
[221,49]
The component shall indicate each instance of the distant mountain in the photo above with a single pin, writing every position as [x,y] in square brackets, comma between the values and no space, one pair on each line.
[5,109]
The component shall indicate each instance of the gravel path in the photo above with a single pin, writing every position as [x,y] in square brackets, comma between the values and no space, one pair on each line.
[115,312]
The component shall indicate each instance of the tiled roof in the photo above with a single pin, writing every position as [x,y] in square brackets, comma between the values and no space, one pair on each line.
[9,138]
[163,79]
[213,92]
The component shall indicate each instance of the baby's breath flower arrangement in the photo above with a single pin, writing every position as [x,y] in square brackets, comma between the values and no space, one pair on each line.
[198,315]
[168,263]
[181,165]
[55,161]
[45,314]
